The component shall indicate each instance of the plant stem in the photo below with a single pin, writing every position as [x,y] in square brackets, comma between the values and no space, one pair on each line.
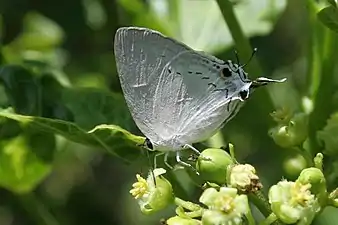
[306,155]
[323,98]
[250,218]
[269,220]
[242,43]
[37,210]
[216,141]
[187,205]
[260,201]
[314,52]
[262,204]
[261,101]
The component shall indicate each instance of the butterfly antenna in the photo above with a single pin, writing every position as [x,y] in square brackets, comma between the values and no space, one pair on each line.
[252,55]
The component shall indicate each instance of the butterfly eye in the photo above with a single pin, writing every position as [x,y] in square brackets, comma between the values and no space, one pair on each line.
[244,94]
[149,144]
[226,72]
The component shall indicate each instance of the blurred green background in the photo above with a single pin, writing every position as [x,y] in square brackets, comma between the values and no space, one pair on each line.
[57,63]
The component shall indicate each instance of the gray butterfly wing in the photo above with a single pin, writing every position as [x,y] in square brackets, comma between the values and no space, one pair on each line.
[141,55]
[199,96]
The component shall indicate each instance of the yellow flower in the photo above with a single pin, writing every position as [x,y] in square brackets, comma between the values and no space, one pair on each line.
[224,206]
[293,202]
[140,188]
[152,197]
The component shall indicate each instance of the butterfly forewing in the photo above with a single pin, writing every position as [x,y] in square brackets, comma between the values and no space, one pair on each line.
[140,56]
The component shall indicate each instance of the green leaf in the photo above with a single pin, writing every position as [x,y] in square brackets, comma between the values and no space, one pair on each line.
[30,94]
[9,129]
[328,136]
[91,107]
[51,98]
[333,3]
[141,15]
[21,169]
[210,32]
[21,89]
[329,17]
[111,138]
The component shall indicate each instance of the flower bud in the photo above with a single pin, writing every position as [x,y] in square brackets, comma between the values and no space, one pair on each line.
[153,197]
[282,116]
[244,178]
[292,134]
[176,220]
[294,165]
[316,179]
[293,202]
[212,165]
[318,161]
[333,198]
[224,206]
[334,203]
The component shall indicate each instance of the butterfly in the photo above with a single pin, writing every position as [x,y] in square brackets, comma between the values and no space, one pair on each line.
[177,96]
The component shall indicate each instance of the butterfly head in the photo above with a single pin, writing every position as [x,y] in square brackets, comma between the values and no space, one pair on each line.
[237,81]
[260,81]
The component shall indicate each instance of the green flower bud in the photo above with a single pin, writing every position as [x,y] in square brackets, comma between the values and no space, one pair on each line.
[176,220]
[318,161]
[333,198]
[294,165]
[316,179]
[328,136]
[224,206]
[212,165]
[153,197]
[292,134]
[282,116]
[280,135]
[334,203]
[293,202]
[244,178]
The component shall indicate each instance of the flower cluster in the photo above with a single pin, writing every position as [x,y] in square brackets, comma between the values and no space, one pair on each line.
[225,196]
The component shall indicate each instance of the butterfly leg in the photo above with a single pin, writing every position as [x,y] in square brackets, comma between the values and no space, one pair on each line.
[155,158]
[166,161]
[192,148]
[196,151]
[179,161]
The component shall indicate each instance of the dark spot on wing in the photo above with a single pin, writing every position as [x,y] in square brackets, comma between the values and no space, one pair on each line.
[205,78]
[178,73]
[212,84]
[189,72]
[198,73]
[226,72]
